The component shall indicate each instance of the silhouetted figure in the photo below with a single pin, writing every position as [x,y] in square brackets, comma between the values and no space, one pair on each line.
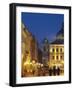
[54,70]
[50,72]
[58,71]
[33,72]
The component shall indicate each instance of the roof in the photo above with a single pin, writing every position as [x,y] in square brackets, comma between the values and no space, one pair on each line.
[59,37]
[58,41]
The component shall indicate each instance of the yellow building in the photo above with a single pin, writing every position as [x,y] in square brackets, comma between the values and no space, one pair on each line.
[26,42]
[56,52]
[56,55]
[29,47]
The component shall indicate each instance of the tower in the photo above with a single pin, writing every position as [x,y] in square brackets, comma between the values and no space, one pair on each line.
[45,52]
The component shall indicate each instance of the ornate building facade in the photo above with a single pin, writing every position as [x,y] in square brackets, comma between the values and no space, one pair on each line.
[48,56]
[56,55]
[56,52]
[29,51]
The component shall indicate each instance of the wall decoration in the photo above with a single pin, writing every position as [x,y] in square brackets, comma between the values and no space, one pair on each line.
[40,44]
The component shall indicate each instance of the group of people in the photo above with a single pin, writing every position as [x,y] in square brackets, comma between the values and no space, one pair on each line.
[54,71]
[42,71]
[45,71]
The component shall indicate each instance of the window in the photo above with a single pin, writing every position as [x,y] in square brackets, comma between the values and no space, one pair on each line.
[57,50]
[56,57]
[53,50]
[52,57]
[61,57]
[61,50]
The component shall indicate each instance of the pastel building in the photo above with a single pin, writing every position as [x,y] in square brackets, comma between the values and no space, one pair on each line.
[56,51]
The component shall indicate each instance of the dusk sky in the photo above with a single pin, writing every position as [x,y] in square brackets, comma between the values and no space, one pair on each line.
[42,25]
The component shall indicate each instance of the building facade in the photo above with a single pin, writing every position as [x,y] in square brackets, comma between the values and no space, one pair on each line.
[29,51]
[56,55]
[56,52]
[34,49]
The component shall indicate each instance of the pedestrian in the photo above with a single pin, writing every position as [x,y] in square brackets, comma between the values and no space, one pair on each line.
[58,71]
[54,70]
[50,72]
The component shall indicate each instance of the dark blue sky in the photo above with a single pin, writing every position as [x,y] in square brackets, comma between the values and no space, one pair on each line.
[42,25]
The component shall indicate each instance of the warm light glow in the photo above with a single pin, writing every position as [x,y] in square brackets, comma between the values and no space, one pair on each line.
[41,65]
[33,62]
[26,63]
[50,49]
[27,60]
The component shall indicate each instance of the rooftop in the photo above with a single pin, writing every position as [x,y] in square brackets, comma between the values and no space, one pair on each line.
[58,41]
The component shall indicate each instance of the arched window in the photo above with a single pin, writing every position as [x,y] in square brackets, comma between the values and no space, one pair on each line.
[57,50]
[61,57]
[53,57]
[60,49]
[53,50]
[57,57]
